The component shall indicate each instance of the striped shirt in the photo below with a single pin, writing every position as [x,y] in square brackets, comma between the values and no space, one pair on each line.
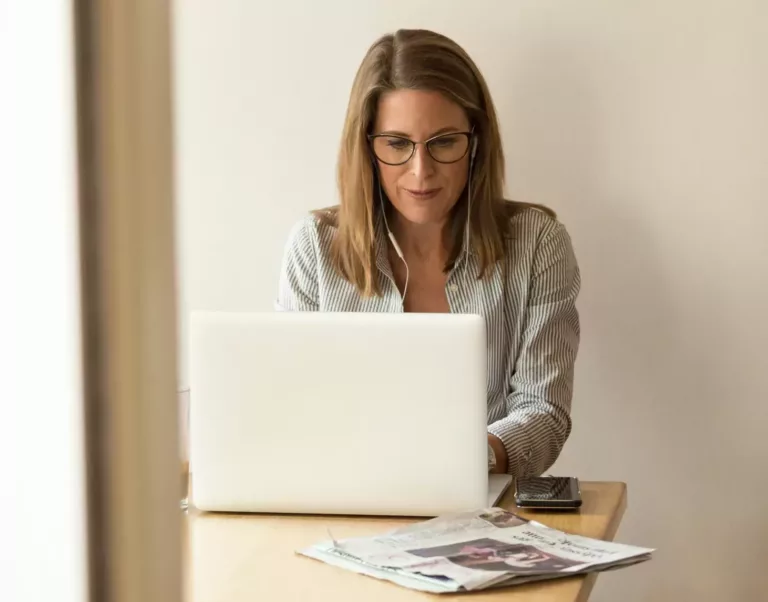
[532,324]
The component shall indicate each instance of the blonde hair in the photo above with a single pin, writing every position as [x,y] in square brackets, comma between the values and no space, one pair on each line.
[424,60]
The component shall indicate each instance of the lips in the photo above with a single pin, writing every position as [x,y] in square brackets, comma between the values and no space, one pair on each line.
[424,194]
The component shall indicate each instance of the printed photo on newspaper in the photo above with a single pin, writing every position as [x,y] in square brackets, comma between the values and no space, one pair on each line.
[473,551]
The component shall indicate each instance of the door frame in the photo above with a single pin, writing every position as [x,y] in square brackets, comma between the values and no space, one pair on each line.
[127,250]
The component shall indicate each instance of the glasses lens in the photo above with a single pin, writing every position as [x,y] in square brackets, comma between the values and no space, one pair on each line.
[392,149]
[448,148]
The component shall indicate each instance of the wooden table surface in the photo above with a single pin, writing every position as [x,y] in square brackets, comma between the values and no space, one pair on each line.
[250,558]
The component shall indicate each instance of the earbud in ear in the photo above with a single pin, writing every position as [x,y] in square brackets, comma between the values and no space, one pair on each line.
[474,148]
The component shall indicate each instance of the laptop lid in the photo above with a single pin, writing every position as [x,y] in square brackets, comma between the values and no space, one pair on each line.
[338,413]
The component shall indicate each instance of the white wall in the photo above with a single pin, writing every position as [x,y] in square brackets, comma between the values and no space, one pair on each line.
[645,125]
[42,462]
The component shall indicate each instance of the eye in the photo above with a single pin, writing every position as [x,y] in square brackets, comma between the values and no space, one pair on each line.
[445,141]
[397,143]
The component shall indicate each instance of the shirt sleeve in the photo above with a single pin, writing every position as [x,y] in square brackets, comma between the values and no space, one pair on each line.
[538,403]
[298,288]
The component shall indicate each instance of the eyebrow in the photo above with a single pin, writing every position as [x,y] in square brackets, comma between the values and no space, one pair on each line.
[445,130]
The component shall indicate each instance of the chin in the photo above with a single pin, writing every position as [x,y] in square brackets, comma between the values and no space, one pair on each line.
[424,213]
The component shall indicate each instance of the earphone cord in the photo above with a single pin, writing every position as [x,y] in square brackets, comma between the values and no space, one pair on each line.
[394,242]
[467,275]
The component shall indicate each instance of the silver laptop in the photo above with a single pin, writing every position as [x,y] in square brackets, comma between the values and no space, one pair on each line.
[339,413]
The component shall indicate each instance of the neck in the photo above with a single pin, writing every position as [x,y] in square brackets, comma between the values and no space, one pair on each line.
[421,242]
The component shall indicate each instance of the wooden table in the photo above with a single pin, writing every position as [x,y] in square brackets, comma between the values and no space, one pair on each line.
[251,558]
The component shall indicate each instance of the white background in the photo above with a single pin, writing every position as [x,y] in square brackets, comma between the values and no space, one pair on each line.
[42,462]
[645,125]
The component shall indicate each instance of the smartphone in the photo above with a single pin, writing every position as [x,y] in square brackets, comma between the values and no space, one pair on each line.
[548,493]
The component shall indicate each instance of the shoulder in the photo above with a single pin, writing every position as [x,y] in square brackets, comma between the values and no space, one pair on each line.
[531,224]
[311,234]
[302,233]
[535,237]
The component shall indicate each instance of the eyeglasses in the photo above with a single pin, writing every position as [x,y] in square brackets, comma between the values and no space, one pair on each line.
[396,150]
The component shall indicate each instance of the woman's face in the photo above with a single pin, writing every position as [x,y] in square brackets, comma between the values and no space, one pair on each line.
[422,190]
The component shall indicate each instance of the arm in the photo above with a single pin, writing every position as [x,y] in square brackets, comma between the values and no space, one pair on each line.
[298,289]
[538,418]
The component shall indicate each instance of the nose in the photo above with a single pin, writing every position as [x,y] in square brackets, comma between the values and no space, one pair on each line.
[422,163]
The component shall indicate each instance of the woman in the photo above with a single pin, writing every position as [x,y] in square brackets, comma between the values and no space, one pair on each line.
[422,226]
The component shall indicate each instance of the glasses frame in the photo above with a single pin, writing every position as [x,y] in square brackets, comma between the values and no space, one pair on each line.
[426,143]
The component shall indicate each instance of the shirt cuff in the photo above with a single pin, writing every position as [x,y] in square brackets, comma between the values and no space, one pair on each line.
[518,444]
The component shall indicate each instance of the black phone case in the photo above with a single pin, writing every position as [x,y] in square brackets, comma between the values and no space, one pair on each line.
[523,501]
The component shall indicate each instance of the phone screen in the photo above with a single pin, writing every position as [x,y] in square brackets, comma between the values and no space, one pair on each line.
[547,489]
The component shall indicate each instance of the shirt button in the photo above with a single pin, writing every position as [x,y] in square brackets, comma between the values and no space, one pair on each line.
[453,288]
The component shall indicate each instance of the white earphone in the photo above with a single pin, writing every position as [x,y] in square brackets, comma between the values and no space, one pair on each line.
[469,212]
[397,246]
[393,240]
[469,195]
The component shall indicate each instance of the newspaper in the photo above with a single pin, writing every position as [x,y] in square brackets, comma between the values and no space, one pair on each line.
[473,551]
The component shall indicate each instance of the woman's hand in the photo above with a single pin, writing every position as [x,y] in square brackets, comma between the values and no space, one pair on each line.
[500,452]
